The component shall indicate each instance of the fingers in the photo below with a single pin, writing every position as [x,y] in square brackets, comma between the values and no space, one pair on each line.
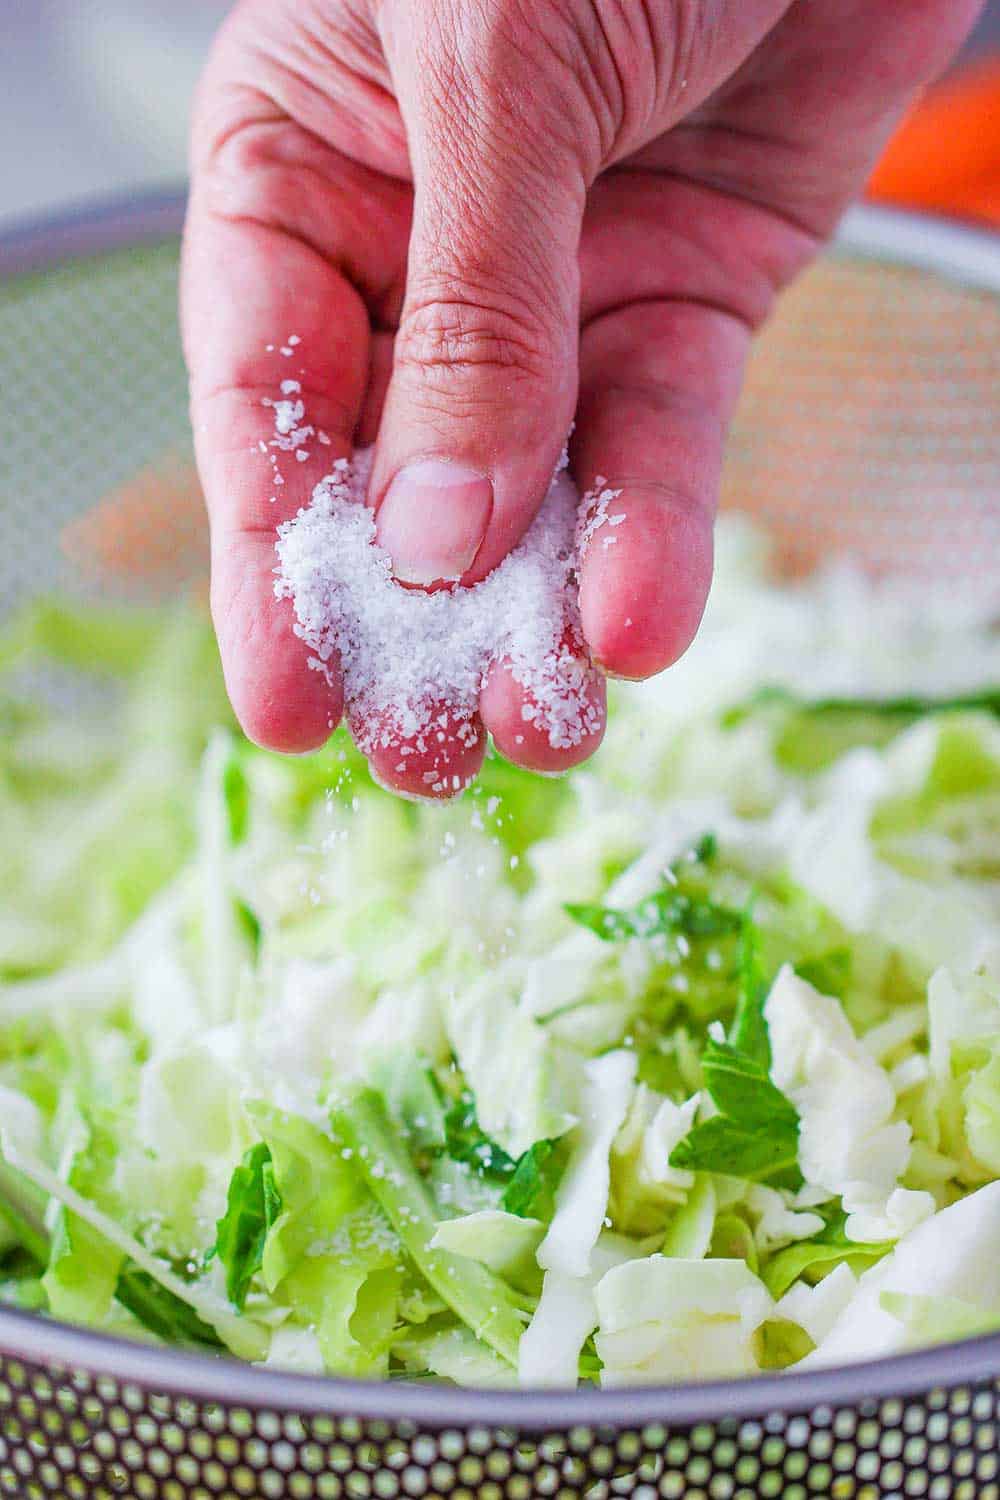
[437,764]
[548,737]
[379,371]
[484,376]
[658,385]
[267,319]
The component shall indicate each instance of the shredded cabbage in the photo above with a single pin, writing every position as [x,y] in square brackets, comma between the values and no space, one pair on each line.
[685,1065]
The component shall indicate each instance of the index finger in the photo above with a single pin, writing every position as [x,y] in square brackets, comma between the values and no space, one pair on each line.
[267,319]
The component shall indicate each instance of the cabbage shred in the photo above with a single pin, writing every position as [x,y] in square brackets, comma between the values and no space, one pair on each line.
[686,1065]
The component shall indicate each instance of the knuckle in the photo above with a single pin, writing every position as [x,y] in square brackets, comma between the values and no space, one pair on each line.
[249,164]
[454,331]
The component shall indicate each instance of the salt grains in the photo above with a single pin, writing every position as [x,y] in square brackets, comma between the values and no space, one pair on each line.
[405,653]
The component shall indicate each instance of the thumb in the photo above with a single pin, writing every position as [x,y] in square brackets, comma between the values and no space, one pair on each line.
[484,378]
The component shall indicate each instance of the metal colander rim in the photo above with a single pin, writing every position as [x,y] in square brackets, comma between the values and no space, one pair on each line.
[956,252]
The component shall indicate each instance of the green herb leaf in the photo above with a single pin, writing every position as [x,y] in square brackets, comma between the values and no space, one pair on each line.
[465,1141]
[741,1089]
[731,1147]
[756,1132]
[531,1192]
[160,1311]
[748,1033]
[673,911]
[669,912]
[252,1206]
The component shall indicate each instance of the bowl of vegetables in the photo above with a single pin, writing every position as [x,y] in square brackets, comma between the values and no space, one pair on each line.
[637,1131]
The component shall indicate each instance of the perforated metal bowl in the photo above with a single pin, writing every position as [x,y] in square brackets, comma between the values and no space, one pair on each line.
[871,423]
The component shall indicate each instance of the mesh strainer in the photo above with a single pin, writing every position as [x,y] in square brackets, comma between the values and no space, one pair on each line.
[871,424]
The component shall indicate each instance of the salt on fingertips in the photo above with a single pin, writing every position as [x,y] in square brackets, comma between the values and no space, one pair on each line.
[594,514]
[404,653]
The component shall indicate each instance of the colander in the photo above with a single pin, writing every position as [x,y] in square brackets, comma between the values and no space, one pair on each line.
[870,424]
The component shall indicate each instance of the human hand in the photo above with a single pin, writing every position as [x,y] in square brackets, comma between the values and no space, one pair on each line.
[482,219]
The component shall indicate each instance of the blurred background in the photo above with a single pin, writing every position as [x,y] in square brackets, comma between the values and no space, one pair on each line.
[94,96]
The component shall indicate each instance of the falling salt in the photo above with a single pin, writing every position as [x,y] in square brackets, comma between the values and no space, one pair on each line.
[403,652]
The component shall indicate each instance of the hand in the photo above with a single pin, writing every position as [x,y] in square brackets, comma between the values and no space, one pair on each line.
[483,218]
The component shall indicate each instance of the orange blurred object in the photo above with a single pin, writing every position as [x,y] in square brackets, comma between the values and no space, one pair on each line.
[150,535]
[945,157]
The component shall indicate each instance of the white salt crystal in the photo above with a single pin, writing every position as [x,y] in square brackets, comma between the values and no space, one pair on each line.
[403,652]
[594,515]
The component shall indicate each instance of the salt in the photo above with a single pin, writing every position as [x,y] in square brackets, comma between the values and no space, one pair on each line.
[594,515]
[404,653]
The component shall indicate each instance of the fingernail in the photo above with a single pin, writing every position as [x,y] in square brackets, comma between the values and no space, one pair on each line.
[433,520]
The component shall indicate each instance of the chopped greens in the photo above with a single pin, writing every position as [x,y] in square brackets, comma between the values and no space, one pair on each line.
[810,1259]
[687,1064]
[757,1152]
[159,1311]
[531,1191]
[477,1296]
[464,1141]
[673,912]
[748,1033]
[253,1204]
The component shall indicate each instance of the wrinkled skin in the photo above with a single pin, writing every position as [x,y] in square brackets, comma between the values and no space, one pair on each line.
[485,219]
